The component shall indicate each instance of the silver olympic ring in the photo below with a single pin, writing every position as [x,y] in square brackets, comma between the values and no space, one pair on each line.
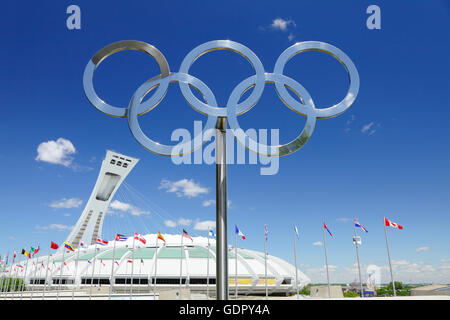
[209,107]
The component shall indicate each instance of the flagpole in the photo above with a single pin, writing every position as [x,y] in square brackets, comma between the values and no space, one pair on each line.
[112,269]
[357,256]
[132,268]
[222,280]
[76,271]
[295,258]
[60,274]
[93,268]
[235,267]
[10,275]
[156,264]
[207,272]
[326,259]
[46,274]
[34,280]
[15,281]
[181,261]
[24,278]
[4,281]
[265,260]
[389,257]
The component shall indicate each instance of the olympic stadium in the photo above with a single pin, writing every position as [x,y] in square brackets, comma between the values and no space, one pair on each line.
[152,267]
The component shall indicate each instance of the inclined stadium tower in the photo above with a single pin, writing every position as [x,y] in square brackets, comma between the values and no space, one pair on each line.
[154,265]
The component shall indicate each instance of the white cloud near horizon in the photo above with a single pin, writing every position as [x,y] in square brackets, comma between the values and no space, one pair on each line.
[55,226]
[66,203]
[56,152]
[128,208]
[205,225]
[424,248]
[317,243]
[183,188]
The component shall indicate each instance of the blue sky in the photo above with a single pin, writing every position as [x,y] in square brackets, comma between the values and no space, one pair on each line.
[388,155]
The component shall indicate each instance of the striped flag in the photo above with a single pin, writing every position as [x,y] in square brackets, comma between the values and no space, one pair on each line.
[325,226]
[238,232]
[160,237]
[120,237]
[296,231]
[36,251]
[68,246]
[357,224]
[102,242]
[186,235]
[211,233]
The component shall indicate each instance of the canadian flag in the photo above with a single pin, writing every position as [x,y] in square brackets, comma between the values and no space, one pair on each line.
[139,237]
[389,223]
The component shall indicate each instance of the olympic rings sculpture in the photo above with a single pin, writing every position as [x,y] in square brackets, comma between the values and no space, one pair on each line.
[209,107]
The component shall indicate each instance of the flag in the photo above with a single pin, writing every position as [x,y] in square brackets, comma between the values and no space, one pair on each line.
[239,233]
[81,244]
[32,250]
[53,245]
[101,261]
[325,226]
[120,237]
[186,235]
[139,237]
[266,232]
[102,242]
[68,246]
[142,261]
[26,253]
[211,233]
[389,223]
[116,262]
[296,231]
[160,237]
[36,251]
[129,261]
[357,224]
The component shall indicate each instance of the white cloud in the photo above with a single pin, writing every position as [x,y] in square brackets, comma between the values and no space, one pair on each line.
[419,249]
[66,203]
[55,226]
[205,225]
[183,188]
[57,152]
[184,222]
[367,127]
[170,223]
[126,207]
[291,37]
[317,243]
[118,205]
[343,219]
[208,203]
[281,24]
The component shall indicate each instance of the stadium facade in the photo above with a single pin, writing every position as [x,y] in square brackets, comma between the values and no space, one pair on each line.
[153,266]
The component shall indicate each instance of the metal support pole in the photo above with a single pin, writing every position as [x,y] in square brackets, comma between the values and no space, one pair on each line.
[389,258]
[359,266]
[326,258]
[221,211]
[295,258]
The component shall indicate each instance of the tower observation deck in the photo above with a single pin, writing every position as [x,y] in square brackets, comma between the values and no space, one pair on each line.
[114,170]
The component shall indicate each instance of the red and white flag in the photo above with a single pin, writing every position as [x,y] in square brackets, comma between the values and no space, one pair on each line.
[389,223]
[139,237]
